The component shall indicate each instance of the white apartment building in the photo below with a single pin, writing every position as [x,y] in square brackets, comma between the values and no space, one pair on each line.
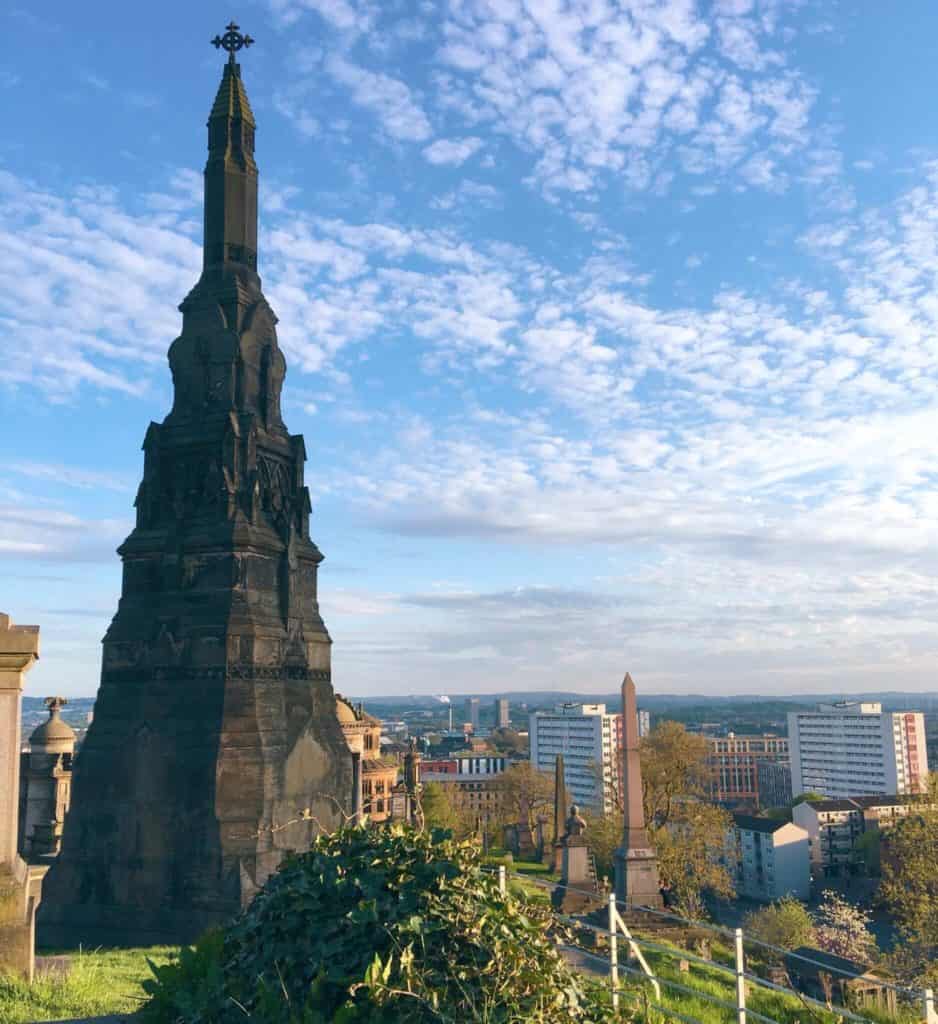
[591,743]
[773,859]
[834,826]
[854,748]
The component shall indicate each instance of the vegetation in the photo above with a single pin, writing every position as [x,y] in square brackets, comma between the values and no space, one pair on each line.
[507,741]
[439,809]
[526,793]
[786,923]
[843,929]
[378,926]
[909,891]
[97,983]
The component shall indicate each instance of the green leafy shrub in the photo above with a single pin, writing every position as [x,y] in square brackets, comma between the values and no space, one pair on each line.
[374,926]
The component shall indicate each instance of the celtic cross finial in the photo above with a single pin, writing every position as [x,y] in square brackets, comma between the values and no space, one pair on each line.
[232,41]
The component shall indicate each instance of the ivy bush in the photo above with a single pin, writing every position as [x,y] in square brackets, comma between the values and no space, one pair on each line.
[373,926]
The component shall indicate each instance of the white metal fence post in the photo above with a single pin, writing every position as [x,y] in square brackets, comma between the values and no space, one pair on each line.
[928,1004]
[613,952]
[502,885]
[740,979]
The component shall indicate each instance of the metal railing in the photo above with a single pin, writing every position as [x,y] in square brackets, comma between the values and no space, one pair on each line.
[617,926]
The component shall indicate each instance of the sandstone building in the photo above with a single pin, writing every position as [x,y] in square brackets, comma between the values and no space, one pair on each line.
[215,722]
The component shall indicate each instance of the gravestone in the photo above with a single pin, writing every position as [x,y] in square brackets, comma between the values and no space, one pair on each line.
[20,885]
[215,746]
[578,891]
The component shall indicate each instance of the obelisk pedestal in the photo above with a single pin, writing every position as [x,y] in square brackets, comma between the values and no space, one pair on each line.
[637,883]
[20,886]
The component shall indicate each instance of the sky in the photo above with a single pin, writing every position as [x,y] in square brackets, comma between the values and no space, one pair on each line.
[611,328]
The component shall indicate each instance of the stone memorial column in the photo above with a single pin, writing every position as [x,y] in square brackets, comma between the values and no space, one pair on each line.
[19,886]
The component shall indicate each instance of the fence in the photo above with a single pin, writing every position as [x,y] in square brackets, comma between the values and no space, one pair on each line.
[924,998]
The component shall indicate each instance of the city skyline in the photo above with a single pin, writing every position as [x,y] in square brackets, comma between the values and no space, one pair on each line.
[611,331]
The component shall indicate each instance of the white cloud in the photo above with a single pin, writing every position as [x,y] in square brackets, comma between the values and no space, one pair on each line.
[452,152]
[390,99]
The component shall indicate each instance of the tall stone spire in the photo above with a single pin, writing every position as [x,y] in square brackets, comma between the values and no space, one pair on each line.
[231,176]
[215,722]
[636,862]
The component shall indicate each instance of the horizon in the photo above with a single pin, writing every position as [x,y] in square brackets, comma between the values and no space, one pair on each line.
[611,330]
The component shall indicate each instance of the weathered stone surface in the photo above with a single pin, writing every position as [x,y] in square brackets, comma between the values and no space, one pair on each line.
[215,721]
[637,883]
[20,886]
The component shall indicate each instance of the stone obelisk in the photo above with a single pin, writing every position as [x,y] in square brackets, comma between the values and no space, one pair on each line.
[636,863]
[561,808]
[215,722]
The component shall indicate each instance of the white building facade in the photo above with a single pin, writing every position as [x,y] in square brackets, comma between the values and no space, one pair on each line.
[854,748]
[590,740]
[774,859]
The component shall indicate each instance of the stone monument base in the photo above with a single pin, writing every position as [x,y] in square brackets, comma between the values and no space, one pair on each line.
[577,892]
[637,879]
[20,892]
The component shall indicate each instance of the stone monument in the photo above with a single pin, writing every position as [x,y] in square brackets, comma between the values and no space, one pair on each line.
[560,809]
[215,723]
[20,885]
[636,863]
[578,891]
[45,785]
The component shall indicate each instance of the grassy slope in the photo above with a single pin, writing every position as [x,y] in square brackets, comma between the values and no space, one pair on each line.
[100,982]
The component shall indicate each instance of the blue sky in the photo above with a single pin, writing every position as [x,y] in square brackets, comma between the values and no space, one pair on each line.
[611,327]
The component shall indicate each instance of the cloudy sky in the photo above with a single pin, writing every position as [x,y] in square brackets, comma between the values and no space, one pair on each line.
[612,327]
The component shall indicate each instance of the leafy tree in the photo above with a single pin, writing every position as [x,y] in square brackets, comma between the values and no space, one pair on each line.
[674,769]
[909,890]
[786,923]
[379,926]
[439,809]
[805,797]
[692,857]
[508,741]
[525,793]
[843,929]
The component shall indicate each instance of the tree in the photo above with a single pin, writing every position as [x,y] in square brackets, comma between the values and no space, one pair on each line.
[526,793]
[786,923]
[693,858]
[843,929]
[507,741]
[909,890]
[674,769]
[439,810]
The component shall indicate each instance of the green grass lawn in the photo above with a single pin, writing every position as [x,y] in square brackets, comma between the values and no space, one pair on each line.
[100,982]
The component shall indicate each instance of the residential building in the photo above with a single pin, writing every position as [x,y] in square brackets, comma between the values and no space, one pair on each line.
[773,858]
[644,722]
[835,826]
[854,748]
[472,713]
[472,779]
[734,761]
[773,783]
[502,713]
[590,740]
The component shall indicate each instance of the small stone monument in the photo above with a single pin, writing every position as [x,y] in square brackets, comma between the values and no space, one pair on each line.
[45,785]
[636,862]
[20,885]
[578,892]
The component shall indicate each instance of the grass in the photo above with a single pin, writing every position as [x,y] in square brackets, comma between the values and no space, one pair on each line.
[100,982]
[787,1009]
